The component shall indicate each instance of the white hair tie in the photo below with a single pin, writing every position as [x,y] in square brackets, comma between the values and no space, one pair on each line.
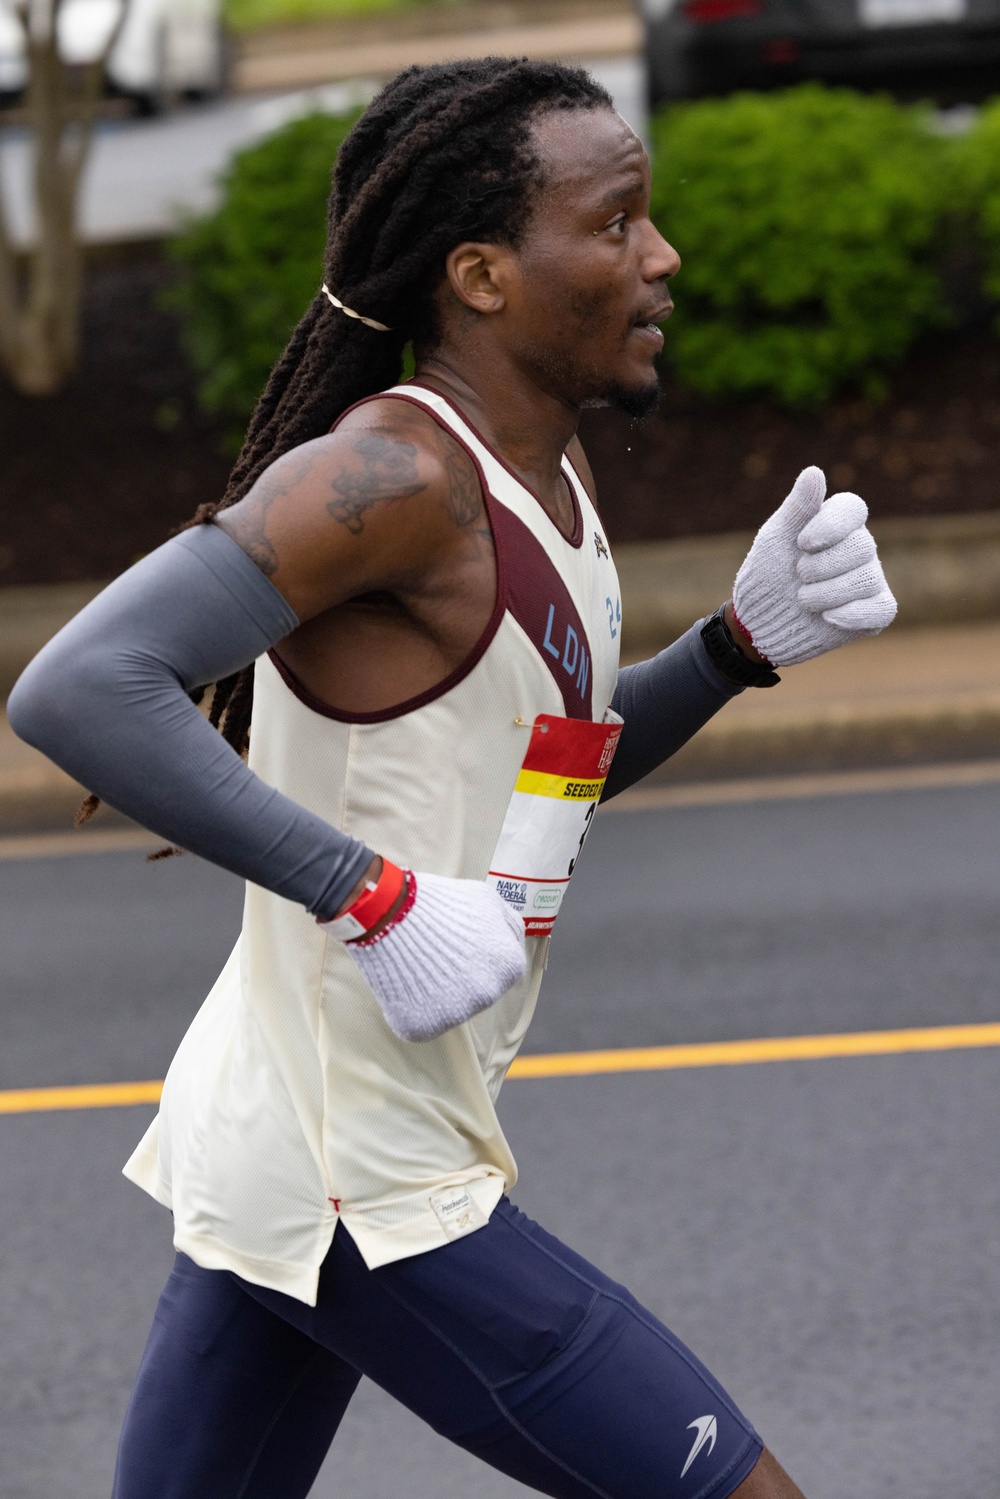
[369,322]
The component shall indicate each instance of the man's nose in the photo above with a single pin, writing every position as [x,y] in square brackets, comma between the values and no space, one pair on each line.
[662,260]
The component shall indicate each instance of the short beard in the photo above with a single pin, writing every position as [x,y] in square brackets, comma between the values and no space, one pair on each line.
[638,402]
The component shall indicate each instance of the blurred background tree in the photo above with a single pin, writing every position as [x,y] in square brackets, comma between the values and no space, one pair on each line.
[978,158]
[249,270]
[812,221]
[40,293]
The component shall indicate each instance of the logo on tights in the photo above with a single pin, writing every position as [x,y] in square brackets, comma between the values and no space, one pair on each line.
[707,1433]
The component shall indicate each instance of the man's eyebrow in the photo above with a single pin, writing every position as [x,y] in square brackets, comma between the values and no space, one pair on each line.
[624,189]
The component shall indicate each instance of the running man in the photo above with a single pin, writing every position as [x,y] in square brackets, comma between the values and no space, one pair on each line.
[410,589]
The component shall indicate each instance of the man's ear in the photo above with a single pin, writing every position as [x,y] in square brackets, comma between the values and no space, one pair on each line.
[478,275]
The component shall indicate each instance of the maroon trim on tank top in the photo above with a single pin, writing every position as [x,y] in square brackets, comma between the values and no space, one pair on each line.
[537,597]
[576,540]
[590,497]
[532,590]
[539,600]
[535,593]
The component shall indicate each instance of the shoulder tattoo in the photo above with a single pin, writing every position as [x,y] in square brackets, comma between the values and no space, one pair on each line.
[249,525]
[388,472]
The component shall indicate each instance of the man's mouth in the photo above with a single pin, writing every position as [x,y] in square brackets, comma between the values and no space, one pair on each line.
[654,318]
[647,326]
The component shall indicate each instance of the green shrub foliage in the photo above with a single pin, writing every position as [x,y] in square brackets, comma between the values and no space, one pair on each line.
[250,269]
[808,223]
[978,156]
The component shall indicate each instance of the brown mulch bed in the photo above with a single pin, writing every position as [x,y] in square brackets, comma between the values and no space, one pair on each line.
[99,475]
[931,448]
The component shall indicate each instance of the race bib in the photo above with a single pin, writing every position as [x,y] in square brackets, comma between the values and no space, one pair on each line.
[550,813]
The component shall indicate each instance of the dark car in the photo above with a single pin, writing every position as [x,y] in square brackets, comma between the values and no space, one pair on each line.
[949,49]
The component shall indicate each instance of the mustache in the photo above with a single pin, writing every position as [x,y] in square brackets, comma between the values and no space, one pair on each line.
[657,313]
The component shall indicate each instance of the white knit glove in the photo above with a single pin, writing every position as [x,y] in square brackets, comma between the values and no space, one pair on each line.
[457,950]
[812,580]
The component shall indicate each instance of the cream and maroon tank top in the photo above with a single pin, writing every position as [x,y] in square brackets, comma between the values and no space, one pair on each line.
[290,1103]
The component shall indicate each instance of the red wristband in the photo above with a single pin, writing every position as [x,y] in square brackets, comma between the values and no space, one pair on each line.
[374,902]
[411,894]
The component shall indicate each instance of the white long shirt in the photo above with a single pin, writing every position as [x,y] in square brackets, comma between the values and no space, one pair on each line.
[290,1102]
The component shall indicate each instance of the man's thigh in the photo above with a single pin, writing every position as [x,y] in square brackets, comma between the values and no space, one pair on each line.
[521,1352]
[231,1401]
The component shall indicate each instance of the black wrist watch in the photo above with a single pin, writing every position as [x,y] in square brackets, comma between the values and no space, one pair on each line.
[727,658]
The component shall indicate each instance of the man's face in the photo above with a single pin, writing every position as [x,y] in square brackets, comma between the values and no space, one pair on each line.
[590,274]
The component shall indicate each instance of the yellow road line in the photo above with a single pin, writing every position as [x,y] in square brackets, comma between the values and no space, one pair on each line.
[801,787]
[89,1096]
[587,1063]
[739,1053]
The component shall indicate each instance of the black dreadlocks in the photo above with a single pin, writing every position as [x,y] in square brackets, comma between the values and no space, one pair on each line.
[442,155]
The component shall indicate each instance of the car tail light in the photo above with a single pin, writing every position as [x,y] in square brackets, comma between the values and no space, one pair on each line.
[781,51]
[704,12]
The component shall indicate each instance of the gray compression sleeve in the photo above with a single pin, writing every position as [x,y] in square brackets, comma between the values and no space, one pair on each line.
[107,700]
[664,702]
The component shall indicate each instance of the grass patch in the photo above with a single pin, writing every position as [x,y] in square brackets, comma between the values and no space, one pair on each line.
[248,15]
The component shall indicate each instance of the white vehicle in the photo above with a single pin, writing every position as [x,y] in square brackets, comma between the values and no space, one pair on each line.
[166,47]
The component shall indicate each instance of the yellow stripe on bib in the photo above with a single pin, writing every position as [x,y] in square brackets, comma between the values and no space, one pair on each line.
[541,783]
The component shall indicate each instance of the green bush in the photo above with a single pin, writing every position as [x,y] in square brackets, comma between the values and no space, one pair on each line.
[250,269]
[978,157]
[808,223]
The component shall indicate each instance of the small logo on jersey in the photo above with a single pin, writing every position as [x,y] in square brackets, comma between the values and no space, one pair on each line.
[707,1432]
[546,898]
[514,892]
[602,550]
[457,1212]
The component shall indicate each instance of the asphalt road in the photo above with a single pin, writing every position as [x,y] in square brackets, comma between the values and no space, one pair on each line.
[825,1234]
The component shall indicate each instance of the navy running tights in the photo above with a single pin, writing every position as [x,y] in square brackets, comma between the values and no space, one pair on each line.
[504,1341]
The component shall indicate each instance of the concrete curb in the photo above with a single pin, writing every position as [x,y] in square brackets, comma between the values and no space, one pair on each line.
[942,569]
[35,795]
[31,616]
[39,808]
[839,736]
[918,695]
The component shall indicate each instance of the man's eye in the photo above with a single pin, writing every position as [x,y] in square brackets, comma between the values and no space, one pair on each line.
[619,225]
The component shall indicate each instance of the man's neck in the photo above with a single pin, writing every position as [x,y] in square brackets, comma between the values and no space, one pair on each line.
[527,426]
